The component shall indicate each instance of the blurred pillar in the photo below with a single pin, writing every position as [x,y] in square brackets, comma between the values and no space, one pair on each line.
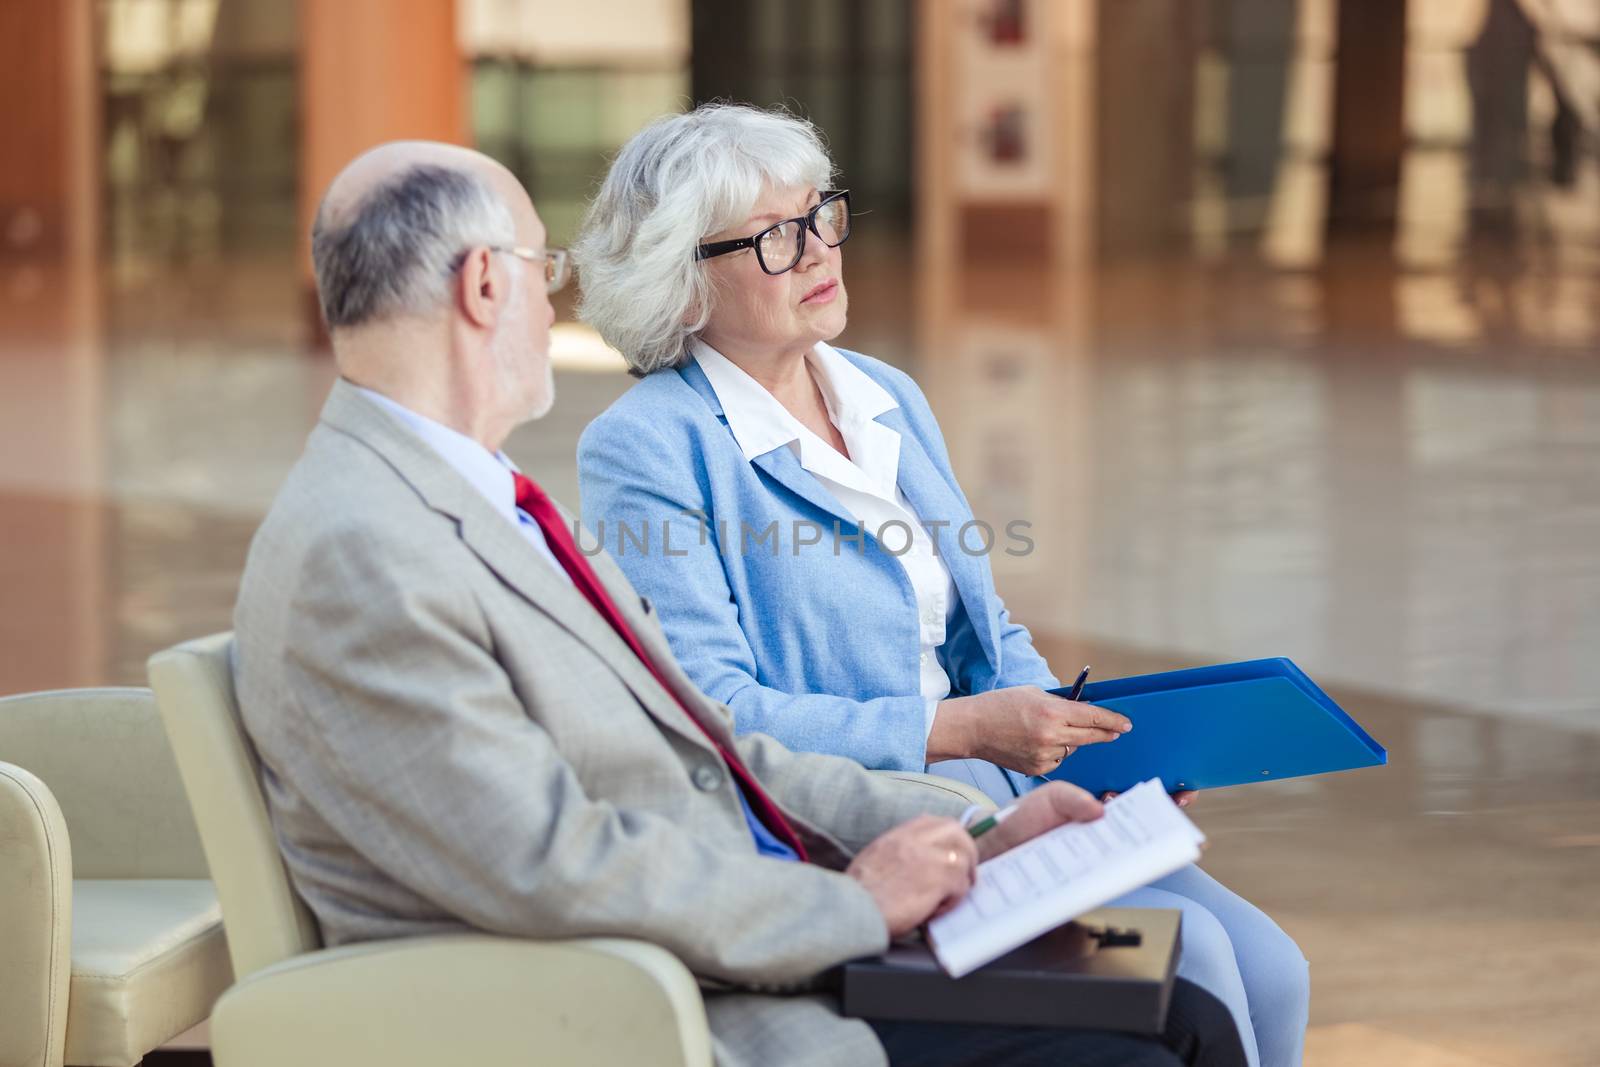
[51,363]
[1256,41]
[373,71]
[1145,72]
[1005,279]
[1368,115]
[49,185]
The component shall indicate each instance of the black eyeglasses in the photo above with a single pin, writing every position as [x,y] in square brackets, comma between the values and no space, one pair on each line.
[780,246]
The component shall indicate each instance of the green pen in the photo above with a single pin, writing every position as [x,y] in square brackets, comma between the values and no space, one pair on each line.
[983,826]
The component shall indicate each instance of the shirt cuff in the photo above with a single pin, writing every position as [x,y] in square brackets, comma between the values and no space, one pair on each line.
[928,712]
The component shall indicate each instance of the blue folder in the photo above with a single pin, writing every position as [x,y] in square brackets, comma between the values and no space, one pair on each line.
[1206,727]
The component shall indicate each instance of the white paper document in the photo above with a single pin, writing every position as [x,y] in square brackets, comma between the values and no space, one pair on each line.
[1061,874]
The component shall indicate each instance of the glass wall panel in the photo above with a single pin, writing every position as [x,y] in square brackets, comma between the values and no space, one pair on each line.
[554,97]
[199,101]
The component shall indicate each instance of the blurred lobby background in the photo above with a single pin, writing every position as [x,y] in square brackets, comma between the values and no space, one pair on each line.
[1276,319]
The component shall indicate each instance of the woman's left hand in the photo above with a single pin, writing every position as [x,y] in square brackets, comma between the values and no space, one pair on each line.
[1183,797]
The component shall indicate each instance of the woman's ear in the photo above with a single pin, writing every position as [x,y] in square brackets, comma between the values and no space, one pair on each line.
[700,305]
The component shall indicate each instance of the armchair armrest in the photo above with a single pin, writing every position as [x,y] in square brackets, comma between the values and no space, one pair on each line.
[971,794]
[466,999]
[35,921]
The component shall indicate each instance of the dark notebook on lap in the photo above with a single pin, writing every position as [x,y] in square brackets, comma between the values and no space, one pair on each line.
[1063,979]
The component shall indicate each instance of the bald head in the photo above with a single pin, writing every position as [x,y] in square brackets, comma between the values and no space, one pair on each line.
[388,162]
[432,271]
[394,221]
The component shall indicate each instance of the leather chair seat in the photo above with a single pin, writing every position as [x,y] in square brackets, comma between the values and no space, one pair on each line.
[149,959]
[107,913]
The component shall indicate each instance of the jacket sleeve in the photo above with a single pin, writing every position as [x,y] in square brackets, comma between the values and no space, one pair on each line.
[839,796]
[1020,662]
[415,748]
[630,473]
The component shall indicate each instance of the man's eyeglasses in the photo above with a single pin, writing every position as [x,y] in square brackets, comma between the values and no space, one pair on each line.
[780,246]
[557,265]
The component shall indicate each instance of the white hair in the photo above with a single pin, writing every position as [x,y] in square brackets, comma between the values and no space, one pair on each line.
[394,252]
[676,182]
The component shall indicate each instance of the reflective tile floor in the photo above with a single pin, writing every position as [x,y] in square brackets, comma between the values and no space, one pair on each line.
[1391,476]
[1446,902]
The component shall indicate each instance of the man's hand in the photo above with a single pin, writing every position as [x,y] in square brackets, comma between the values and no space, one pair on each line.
[1021,727]
[916,870]
[1045,808]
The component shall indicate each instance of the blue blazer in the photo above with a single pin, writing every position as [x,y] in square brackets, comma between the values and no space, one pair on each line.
[817,643]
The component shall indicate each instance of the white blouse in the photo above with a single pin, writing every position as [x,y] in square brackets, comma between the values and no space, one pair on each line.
[865,482]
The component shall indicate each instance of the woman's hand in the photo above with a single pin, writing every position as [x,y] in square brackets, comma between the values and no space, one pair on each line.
[1022,728]
[1183,797]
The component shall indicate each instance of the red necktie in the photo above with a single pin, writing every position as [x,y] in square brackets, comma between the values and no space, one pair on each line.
[532,499]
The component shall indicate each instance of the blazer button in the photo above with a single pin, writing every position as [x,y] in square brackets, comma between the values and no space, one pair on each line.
[706,778]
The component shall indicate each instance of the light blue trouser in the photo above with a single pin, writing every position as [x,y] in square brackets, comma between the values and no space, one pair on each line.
[1231,948]
[1236,952]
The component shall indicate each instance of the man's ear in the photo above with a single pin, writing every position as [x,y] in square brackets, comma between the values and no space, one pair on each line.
[481,287]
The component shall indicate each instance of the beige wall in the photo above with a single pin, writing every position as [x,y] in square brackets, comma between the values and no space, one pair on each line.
[549,32]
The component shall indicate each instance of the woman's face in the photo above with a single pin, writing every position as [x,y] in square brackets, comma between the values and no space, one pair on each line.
[754,313]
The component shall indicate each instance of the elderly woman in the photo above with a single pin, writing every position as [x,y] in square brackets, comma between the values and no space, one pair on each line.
[790,510]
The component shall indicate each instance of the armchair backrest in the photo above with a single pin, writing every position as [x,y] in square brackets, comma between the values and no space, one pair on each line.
[107,762]
[265,919]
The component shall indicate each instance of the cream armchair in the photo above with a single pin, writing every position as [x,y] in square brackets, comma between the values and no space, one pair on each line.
[109,927]
[452,999]
[455,999]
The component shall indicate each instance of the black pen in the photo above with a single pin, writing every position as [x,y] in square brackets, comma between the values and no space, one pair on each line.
[1077,687]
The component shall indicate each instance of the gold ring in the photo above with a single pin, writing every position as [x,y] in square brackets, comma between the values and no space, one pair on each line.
[952,858]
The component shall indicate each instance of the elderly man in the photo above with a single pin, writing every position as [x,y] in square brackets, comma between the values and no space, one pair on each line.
[464,722]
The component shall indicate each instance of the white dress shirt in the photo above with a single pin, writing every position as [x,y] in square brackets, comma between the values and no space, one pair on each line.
[488,472]
[865,482]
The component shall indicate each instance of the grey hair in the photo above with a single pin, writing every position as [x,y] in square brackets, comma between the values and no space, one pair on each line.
[394,252]
[676,182]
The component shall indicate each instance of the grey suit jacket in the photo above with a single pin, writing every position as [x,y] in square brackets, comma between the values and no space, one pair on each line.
[452,737]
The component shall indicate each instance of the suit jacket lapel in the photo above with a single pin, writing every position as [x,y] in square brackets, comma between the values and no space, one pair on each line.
[783,467]
[648,631]
[919,478]
[781,464]
[503,550]
[934,500]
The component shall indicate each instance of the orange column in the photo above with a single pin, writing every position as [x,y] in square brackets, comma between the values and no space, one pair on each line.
[374,71]
[52,424]
[49,136]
